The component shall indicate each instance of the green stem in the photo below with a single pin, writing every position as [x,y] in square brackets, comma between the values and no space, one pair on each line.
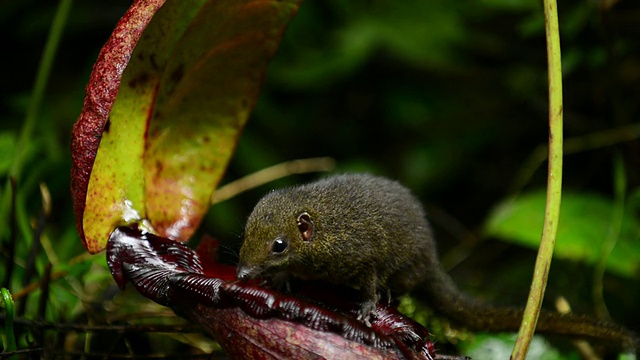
[554,185]
[7,304]
[44,69]
[617,216]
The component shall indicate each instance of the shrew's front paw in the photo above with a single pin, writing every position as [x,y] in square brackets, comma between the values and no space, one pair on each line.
[367,311]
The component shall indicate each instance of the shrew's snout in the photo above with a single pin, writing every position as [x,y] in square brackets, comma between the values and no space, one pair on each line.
[245,272]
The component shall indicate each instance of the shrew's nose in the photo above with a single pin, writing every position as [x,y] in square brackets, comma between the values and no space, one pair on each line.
[244,272]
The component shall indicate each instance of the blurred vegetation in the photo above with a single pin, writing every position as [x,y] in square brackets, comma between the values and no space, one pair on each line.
[448,97]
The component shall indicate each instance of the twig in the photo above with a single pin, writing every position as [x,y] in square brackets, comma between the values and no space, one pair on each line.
[26,290]
[150,328]
[44,292]
[30,269]
[13,235]
[21,352]
[554,185]
[583,347]
[55,275]
[574,145]
[270,174]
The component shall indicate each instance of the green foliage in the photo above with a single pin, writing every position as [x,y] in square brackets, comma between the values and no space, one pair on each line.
[384,27]
[499,347]
[6,305]
[585,224]
[7,146]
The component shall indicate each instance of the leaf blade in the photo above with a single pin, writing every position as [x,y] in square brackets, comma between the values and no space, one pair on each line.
[100,94]
[584,225]
[241,36]
[193,79]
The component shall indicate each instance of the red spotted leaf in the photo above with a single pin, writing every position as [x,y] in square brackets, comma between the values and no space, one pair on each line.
[157,152]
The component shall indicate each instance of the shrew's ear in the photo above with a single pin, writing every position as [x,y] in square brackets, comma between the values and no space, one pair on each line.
[306,226]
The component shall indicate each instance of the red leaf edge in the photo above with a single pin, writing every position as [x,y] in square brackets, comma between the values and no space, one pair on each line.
[100,95]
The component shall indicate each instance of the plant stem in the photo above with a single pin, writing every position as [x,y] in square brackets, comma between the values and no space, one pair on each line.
[7,303]
[554,185]
[617,217]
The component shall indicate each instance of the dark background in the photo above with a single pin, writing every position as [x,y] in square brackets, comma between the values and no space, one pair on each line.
[448,97]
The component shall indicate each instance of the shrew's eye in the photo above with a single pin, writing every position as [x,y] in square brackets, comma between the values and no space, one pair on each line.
[306,227]
[279,246]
